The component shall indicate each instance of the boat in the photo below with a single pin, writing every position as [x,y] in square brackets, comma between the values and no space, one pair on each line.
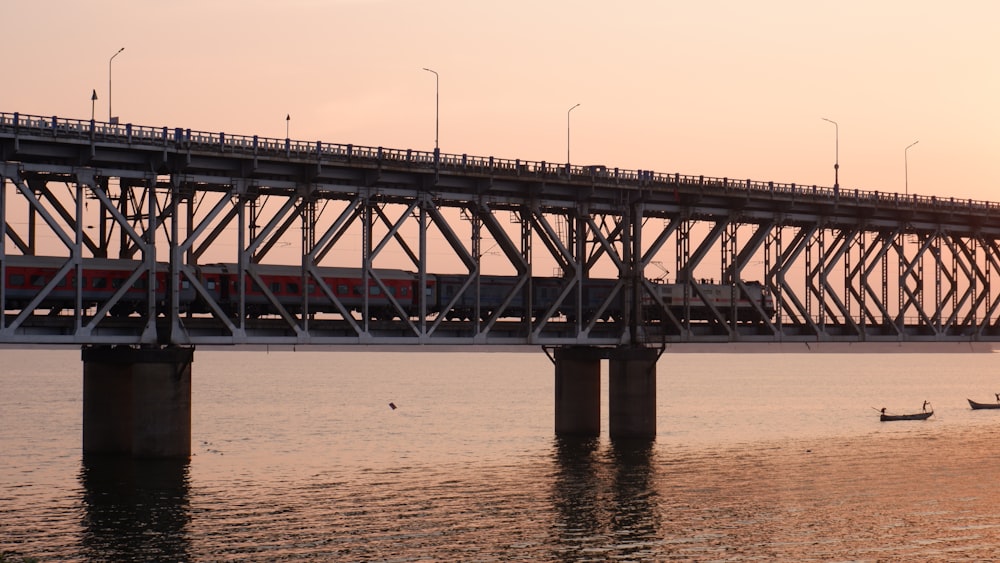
[976,405]
[916,416]
[924,414]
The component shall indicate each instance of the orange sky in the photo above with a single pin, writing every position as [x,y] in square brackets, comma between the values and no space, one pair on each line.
[735,89]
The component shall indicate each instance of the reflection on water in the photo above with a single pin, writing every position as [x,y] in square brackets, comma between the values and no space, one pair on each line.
[134,509]
[604,499]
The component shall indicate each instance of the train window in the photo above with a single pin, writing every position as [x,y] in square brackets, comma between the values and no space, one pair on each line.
[404,291]
[185,284]
[117,282]
[357,290]
[293,288]
[99,283]
[341,289]
[37,280]
[376,290]
[275,287]
[139,284]
[311,288]
[210,284]
[15,279]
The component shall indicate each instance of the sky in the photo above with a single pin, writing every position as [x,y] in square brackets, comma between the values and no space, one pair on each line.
[717,88]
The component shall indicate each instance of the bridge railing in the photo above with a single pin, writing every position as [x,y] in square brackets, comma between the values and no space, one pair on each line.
[179,138]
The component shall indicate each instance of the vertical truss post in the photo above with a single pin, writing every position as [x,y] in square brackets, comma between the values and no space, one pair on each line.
[102,219]
[920,280]
[986,281]
[477,235]
[684,276]
[887,315]
[954,276]
[938,267]
[528,292]
[241,244]
[366,261]
[770,272]
[862,282]
[32,220]
[176,260]
[308,244]
[821,290]
[636,271]
[422,268]
[730,267]
[849,243]
[123,244]
[809,277]
[629,256]
[77,250]
[974,251]
[901,264]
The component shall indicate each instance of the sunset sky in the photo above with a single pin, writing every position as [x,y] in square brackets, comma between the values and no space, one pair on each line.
[733,89]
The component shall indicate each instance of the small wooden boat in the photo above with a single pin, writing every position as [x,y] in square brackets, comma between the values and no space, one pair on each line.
[976,405]
[916,416]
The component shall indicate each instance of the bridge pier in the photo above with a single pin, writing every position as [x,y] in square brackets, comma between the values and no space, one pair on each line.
[137,401]
[631,391]
[578,391]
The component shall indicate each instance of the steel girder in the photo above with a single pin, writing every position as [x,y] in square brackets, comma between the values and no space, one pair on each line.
[830,261]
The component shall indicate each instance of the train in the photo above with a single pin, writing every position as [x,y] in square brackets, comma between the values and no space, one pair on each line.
[26,276]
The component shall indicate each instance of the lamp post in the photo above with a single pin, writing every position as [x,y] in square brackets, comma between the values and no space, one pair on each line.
[567,134]
[437,106]
[906,167]
[93,100]
[111,119]
[836,161]
[288,119]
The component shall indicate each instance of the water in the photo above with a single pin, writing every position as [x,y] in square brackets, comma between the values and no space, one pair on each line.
[298,456]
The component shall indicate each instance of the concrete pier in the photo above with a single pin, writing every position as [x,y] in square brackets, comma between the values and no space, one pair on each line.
[632,393]
[578,391]
[137,401]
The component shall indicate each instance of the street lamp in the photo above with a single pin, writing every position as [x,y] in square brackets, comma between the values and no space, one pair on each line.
[567,134]
[906,167]
[288,119]
[111,120]
[836,162]
[437,106]
[93,100]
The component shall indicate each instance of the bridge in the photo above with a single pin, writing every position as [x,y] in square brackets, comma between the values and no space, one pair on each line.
[156,239]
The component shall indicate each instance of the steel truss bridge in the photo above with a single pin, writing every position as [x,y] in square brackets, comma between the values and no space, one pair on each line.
[840,265]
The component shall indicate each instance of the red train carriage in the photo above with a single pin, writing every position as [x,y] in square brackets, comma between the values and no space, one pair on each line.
[26,276]
[285,283]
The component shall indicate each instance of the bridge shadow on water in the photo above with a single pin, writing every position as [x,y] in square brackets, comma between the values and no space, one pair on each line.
[134,509]
[604,497]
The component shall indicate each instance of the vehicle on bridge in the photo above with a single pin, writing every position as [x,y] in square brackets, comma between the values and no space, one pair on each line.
[750,301]
[392,293]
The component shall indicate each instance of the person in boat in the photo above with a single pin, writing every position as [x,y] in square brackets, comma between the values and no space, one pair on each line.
[883,410]
[924,408]
[998,397]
